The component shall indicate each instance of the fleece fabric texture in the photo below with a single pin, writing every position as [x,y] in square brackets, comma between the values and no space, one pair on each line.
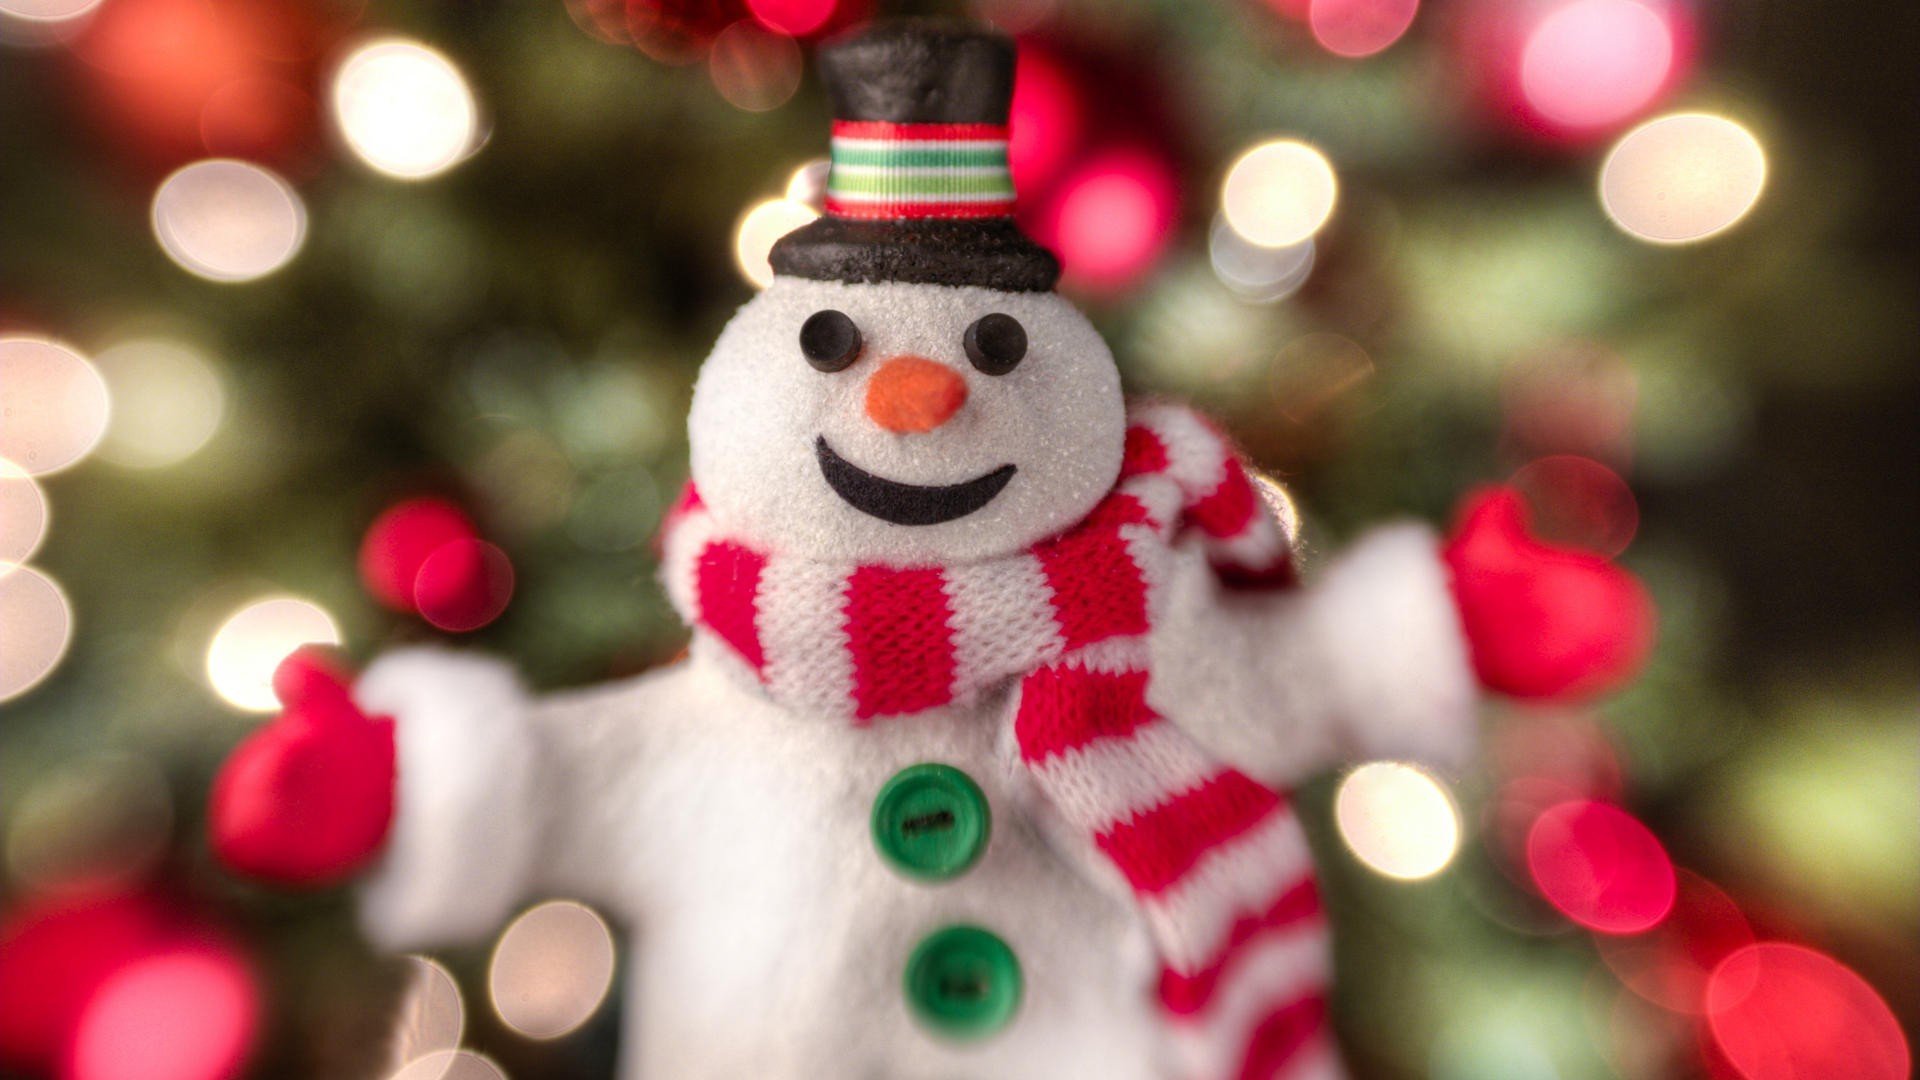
[729,836]
[1217,863]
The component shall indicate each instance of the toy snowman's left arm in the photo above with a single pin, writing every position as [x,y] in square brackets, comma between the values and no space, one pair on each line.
[1385,653]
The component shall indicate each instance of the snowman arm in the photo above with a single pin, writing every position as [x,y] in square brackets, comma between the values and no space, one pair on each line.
[468,820]
[1367,660]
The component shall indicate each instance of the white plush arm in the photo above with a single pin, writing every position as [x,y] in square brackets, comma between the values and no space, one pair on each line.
[1366,661]
[467,823]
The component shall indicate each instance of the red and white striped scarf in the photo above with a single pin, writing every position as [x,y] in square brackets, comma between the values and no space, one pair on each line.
[1217,863]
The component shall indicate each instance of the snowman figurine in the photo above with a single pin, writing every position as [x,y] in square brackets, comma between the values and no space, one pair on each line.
[979,762]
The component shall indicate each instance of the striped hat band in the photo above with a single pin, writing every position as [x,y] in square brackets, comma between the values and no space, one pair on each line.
[888,171]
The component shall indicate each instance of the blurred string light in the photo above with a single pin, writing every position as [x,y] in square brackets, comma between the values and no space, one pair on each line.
[1111,219]
[1600,867]
[227,220]
[1357,28]
[248,647]
[188,1012]
[551,969]
[53,405]
[1262,275]
[36,623]
[404,109]
[23,516]
[450,1065]
[756,232]
[795,18]
[1594,63]
[1279,502]
[808,184]
[425,556]
[1682,177]
[1780,1010]
[1397,820]
[1669,964]
[1579,502]
[432,1016]
[168,402]
[753,68]
[33,20]
[1279,193]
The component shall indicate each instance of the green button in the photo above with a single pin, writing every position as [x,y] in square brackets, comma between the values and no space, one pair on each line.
[963,982]
[931,822]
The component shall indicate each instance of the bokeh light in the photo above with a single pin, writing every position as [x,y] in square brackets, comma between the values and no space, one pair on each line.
[227,220]
[168,402]
[795,18]
[36,624]
[1046,121]
[404,109]
[185,1013]
[1669,964]
[1684,177]
[551,969]
[45,13]
[432,1015]
[1356,28]
[1594,63]
[400,540]
[450,1065]
[1112,219]
[1261,275]
[1784,1011]
[1397,820]
[1578,502]
[23,516]
[1600,867]
[759,227]
[54,404]
[1280,503]
[248,647]
[808,184]
[1279,193]
[753,68]
[463,585]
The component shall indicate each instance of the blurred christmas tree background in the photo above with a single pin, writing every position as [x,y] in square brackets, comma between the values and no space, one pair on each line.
[271,269]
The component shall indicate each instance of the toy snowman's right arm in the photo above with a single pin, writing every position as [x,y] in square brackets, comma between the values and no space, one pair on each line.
[435,779]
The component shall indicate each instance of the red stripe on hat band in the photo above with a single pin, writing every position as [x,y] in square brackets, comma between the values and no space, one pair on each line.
[1065,708]
[1283,1035]
[900,640]
[728,580]
[885,129]
[1157,848]
[895,210]
[1299,906]
[1098,592]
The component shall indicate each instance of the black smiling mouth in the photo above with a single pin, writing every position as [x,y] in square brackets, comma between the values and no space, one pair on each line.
[907,504]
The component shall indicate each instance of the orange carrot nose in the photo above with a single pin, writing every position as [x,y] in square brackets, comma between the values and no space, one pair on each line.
[911,394]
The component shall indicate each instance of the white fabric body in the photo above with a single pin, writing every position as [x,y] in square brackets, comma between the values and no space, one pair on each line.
[730,839]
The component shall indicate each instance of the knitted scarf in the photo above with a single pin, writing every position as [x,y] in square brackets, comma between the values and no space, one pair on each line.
[1216,863]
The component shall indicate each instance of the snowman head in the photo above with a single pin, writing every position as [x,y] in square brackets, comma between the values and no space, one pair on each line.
[905,423]
[909,390]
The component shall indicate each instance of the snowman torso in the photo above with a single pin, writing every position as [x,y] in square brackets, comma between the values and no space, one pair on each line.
[772,935]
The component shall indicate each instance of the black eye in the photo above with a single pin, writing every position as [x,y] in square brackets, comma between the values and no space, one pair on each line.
[995,343]
[830,340]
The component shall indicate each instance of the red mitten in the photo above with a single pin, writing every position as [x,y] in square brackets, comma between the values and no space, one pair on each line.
[307,799]
[1542,621]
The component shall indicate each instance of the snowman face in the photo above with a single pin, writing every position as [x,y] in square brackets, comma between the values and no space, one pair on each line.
[905,424]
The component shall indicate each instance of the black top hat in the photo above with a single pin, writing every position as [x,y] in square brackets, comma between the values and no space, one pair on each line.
[919,189]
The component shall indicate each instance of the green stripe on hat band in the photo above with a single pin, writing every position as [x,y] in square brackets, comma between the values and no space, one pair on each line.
[920,156]
[924,185]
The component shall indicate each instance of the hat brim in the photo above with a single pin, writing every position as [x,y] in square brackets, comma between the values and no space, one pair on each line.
[988,254]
